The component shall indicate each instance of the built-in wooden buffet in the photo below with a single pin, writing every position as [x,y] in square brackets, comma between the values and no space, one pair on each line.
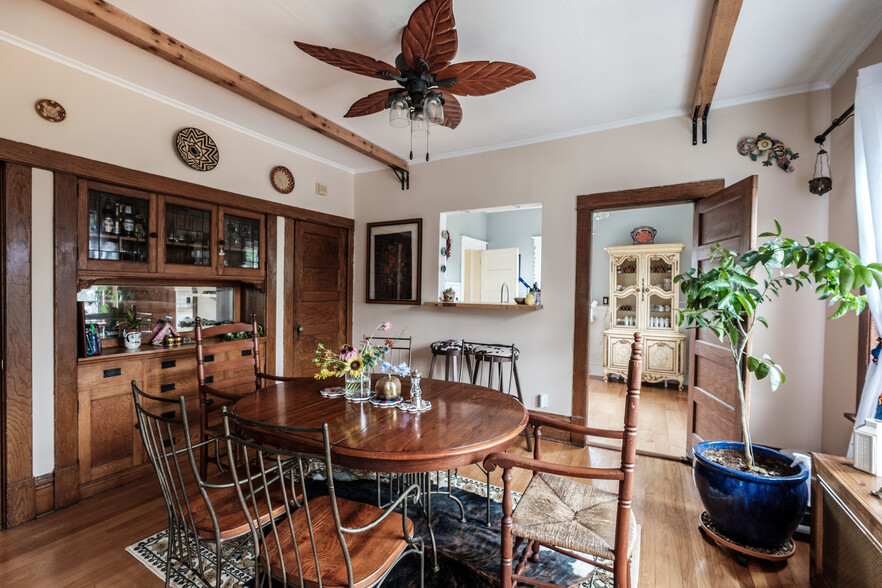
[110,448]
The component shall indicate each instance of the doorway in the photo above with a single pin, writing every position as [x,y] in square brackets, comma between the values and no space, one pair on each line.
[616,314]
[723,215]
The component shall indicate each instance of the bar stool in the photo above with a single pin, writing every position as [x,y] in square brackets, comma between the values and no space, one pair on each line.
[452,351]
[495,355]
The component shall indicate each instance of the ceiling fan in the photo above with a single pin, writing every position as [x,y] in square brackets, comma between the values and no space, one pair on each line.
[428,82]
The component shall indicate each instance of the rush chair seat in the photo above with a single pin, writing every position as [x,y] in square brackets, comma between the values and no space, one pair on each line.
[202,515]
[227,370]
[566,515]
[326,540]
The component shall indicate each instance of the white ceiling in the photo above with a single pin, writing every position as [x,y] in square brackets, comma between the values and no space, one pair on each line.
[598,63]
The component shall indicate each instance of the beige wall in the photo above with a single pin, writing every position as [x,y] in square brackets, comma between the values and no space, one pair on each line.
[840,367]
[554,173]
[116,125]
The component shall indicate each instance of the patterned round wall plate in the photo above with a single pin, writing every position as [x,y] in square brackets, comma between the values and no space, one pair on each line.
[197,149]
[50,110]
[282,179]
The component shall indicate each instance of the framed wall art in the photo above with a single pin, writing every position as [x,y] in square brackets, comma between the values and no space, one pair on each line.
[394,251]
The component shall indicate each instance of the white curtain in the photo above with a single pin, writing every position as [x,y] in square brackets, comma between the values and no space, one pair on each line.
[868,191]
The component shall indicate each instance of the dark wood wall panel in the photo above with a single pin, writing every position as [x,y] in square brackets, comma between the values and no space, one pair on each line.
[17,458]
[66,486]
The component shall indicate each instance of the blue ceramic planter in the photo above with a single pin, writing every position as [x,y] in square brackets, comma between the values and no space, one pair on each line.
[759,511]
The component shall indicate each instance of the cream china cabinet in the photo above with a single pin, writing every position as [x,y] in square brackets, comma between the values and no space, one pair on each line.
[643,297]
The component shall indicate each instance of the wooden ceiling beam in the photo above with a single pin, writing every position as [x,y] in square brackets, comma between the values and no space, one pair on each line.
[110,19]
[719,34]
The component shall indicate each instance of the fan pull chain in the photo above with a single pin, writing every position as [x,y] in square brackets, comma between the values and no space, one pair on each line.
[411,145]
[427,146]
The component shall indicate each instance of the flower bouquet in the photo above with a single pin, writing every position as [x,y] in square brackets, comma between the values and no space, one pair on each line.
[353,363]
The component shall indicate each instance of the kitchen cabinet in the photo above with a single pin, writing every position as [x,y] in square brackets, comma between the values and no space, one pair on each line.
[644,298]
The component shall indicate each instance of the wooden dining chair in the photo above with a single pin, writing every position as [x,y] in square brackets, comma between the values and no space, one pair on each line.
[568,516]
[325,540]
[226,369]
[203,515]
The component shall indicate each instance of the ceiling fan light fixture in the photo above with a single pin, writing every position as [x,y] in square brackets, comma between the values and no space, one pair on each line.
[419,123]
[433,106]
[399,111]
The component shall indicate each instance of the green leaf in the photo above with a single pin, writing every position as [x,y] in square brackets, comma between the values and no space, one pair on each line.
[843,308]
[752,363]
[763,321]
[762,370]
[846,280]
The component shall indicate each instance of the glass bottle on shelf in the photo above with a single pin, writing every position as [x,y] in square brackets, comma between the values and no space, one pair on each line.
[128,222]
[138,226]
[116,219]
[107,220]
[93,221]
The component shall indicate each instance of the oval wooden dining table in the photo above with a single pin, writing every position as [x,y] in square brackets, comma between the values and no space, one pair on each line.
[465,424]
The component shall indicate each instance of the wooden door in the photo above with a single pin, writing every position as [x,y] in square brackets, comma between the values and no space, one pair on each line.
[499,267]
[727,217]
[321,293]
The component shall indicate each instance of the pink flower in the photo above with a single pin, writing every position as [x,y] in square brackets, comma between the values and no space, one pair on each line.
[385,326]
[348,353]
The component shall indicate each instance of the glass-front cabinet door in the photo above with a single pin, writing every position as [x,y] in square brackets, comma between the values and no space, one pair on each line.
[116,228]
[187,242]
[242,243]
[626,291]
[659,289]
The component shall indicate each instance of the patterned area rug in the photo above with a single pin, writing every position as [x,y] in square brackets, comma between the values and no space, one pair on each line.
[468,553]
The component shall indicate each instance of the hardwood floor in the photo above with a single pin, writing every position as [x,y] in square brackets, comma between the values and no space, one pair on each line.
[84,545]
[662,427]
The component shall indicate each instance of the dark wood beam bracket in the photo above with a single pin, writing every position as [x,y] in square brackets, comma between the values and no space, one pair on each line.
[719,34]
[403,176]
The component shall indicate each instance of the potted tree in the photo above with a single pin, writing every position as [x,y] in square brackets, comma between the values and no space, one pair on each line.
[754,495]
[131,328]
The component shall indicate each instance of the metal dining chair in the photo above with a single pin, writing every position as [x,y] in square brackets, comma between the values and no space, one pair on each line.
[203,516]
[325,540]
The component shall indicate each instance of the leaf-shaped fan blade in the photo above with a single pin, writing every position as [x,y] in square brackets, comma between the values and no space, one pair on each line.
[430,35]
[479,78]
[348,60]
[370,104]
[452,109]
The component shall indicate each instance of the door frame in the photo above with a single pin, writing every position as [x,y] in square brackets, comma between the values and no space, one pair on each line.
[586,205]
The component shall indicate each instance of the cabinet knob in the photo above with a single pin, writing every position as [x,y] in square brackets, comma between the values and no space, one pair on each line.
[299,330]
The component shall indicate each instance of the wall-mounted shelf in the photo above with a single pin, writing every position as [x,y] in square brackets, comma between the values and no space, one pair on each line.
[484,305]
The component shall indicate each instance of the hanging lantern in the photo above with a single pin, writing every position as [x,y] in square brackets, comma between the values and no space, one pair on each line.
[821,182]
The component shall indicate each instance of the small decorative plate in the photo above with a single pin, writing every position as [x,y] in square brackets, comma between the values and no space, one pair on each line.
[643,235]
[443,269]
[445,234]
[334,392]
[50,110]
[197,149]
[385,403]
[282,179]
[408,407]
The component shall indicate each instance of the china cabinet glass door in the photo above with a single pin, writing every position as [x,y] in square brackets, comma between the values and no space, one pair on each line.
[242,243]
[626,293]
[115,227]
[659,288]
[187,238]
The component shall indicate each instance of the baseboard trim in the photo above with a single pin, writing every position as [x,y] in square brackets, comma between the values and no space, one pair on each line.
[44,493]
[98,486]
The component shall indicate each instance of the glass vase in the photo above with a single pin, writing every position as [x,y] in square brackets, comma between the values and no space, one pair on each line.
[358,387]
